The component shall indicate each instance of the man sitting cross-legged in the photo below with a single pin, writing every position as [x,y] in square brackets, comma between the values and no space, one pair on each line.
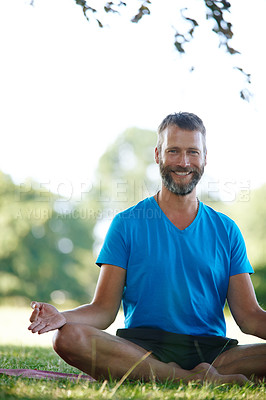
[173,261]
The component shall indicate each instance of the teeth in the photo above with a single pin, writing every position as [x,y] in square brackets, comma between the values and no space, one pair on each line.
[181,173]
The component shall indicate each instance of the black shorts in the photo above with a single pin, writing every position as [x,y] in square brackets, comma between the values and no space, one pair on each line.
[185,350]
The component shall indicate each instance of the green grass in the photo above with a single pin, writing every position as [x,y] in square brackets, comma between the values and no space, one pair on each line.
[13,388]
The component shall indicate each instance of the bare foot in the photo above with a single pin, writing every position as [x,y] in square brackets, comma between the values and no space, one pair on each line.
[205,372]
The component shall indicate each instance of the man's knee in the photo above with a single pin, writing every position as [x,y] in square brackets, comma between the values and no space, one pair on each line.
[68,340]
[62,339]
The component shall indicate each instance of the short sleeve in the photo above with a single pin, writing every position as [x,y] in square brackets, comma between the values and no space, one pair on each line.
[239,261]
[114,250]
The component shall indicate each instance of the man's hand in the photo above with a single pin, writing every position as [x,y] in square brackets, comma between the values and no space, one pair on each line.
[45,318]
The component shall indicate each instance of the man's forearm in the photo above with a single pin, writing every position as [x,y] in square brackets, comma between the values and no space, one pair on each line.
[90,314]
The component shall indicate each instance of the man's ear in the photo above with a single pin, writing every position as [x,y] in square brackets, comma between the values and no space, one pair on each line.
[156,155]
[205,159]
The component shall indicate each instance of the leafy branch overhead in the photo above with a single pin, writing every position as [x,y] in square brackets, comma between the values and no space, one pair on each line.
[216,10]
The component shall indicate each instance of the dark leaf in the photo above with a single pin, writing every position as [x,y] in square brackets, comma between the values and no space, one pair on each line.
[108,8]
[191,32]
[193,21]
[142,11]
[215,11]
[81,2]
[231,50]
[99,23]
[179,47]
[245,94]
[226,5]
[248,76]
[87,8]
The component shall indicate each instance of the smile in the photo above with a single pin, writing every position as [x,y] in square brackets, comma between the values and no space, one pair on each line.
[181,173]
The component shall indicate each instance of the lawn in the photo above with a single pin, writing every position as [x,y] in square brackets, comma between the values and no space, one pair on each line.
[13,388]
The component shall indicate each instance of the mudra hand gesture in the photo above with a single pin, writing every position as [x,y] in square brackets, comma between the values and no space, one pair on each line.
[45,318]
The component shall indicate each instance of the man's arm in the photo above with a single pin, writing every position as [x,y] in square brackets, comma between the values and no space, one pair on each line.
[99,314]
[249,316]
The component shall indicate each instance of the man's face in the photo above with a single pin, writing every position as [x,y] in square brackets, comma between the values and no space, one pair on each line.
[181,159]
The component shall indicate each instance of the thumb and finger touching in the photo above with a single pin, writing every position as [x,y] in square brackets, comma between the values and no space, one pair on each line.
[36,309]
[35,304]
[45,318]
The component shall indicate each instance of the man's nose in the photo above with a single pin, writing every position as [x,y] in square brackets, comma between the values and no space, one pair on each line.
[184,160]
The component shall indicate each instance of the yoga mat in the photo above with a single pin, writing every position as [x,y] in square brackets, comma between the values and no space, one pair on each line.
[39,374]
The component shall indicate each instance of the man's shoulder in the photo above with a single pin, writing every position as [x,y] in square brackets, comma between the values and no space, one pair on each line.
[216,216]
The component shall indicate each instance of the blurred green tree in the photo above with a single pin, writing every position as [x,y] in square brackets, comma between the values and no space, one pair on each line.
[249,212]
[127,172]
[44,254]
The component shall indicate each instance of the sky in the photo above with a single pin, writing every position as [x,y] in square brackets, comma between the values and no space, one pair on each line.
[69,88]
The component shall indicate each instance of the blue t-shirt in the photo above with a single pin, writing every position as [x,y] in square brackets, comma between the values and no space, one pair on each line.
[176,280]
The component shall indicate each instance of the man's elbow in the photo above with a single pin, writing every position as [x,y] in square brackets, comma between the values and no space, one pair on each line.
[248,329]
[109,319]
[110,316]
[251,324]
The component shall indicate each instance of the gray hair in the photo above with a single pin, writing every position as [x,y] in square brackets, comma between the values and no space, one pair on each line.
[184,120]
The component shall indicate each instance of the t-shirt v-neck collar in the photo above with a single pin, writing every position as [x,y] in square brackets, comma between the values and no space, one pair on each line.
[189,227]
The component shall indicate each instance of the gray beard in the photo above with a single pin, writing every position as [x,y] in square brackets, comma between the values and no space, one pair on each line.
[176,188]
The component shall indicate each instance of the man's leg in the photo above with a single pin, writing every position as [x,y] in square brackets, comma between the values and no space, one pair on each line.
[103,356]
[249,360]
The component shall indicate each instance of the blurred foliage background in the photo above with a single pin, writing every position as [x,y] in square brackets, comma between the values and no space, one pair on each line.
[48,244]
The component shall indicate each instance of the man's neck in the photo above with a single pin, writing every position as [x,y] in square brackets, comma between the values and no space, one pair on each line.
[181,210]
[177,203]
